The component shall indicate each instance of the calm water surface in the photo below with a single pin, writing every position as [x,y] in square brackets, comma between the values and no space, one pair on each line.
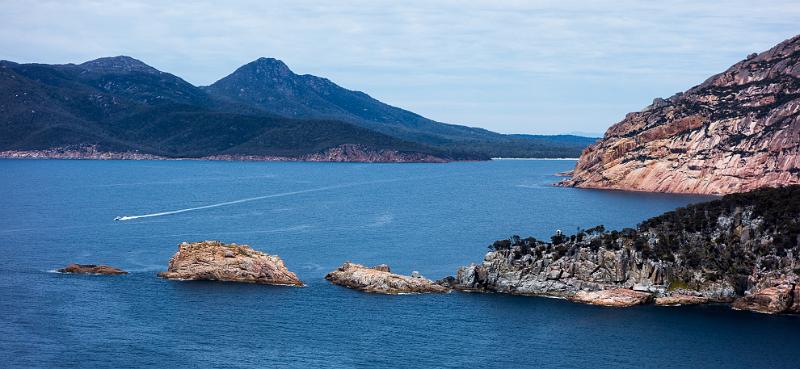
[426,217]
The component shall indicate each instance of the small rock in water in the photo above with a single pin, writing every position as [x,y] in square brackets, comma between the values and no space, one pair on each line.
[380,280]
[92,269]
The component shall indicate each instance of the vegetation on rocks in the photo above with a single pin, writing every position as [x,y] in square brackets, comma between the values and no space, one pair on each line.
[720,250]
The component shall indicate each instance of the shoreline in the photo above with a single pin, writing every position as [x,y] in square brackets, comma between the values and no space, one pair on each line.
[230,159]
[561,184]
[342,153]
[567,159]
[333,155]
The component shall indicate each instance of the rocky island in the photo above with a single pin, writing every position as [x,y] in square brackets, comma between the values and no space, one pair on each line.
[217,261]
[380,279]
[741,249]
[91,269]
[737,131]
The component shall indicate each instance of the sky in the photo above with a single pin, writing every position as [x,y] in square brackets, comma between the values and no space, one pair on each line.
[542,67]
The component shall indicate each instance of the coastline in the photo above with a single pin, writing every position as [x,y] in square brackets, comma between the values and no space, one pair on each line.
[344,153]
[567,159]
[564,183]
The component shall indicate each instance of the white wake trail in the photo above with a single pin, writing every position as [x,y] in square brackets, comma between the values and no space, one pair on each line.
[171,212]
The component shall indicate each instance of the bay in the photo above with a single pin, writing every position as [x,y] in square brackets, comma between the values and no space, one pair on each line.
[431,218]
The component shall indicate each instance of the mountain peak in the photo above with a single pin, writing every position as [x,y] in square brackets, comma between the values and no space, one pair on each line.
[120,63]
[270,66]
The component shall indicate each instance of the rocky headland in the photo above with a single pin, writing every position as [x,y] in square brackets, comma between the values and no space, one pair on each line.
[380,279]
[737,131]
[741,249]
[217,261]
[91,269]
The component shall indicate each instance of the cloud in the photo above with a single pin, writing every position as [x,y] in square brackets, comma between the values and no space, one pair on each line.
[512,66]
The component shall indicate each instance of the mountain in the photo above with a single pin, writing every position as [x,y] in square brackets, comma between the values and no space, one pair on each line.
[270,85]
[261,111]
[121,104]
[739,130]
[743,248]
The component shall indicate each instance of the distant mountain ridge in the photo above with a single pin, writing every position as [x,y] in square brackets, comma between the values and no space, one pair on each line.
[269,84]
[120,104]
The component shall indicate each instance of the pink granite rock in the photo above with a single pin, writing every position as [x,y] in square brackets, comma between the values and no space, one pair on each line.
[737,131]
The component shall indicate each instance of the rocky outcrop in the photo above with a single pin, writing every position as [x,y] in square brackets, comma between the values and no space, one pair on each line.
[380,279]
[617,297]
[563,270]
[216,261]
[678,299]
[737,131]
[743,248]
[771,300]
[91,269]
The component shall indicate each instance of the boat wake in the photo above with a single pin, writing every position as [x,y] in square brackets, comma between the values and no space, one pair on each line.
[249,199]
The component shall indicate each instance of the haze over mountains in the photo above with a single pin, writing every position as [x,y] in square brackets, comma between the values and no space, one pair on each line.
[120,104]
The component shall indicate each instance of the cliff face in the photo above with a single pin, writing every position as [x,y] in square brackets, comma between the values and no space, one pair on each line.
[743,248]
[737,131]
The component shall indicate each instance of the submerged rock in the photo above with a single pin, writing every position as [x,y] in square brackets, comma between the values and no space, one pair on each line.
[92,269]
[217,261]
[379,279]
[617,297]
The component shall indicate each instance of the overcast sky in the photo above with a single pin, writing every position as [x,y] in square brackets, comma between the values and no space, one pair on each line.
[509,66]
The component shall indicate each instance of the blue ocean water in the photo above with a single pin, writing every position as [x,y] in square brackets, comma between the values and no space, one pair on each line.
[426,217]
